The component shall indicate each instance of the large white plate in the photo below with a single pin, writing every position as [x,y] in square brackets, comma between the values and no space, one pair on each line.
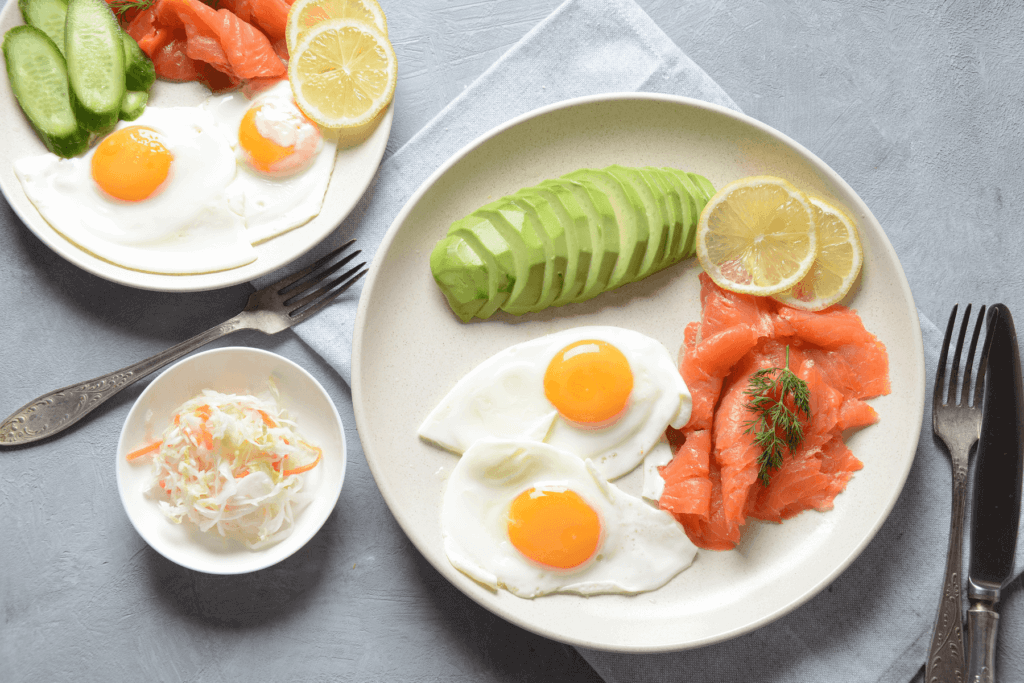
[409,350]
[353,171]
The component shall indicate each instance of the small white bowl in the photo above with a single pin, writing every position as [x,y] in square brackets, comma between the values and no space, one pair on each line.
[236,370]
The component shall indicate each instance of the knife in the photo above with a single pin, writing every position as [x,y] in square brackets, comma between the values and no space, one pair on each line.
[995,511]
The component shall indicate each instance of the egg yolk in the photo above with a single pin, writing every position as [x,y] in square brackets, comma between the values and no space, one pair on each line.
[589,382]
[277,139]
[554,528]
[131,164]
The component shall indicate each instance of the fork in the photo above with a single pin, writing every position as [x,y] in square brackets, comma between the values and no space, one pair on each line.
[958,426]
[274,308]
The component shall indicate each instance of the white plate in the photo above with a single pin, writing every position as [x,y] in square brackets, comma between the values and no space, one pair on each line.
[409,350]
[353,170]
[233,370]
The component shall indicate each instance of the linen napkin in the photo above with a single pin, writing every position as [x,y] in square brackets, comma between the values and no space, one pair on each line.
[871,624]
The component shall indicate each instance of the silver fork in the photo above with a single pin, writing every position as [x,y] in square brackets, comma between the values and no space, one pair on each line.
[270,310]
[958,425]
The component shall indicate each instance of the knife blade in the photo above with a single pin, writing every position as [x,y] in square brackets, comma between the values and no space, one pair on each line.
[995,509]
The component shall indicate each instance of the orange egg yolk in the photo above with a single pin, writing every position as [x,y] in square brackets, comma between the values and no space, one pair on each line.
[267,155]
[589,382]
[262,153]
[131,164]
[554,528]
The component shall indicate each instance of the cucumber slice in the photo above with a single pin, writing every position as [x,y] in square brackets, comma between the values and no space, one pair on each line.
[95,57]
[133,105]
[139,72]
[39,79]
[48,16]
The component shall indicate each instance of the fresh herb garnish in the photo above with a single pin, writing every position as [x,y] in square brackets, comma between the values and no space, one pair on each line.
[121,6]
[776,425]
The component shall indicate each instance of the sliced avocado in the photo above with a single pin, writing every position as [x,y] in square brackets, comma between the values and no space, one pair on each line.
[498,281]
[653,202]
[579,251]
[695,194]
[631,219]
[656,178]
[519,232]
[461,274]
[704,184]
[547,220]
[582,197]
[496,245]
[707,191]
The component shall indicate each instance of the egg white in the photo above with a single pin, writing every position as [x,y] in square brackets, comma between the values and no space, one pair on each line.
[271,206]
[186,227]
[503,398]
[641,547]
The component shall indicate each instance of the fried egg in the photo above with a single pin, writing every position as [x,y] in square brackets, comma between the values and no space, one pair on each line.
[149,196]
[603,393]
[537,520]
[284,160]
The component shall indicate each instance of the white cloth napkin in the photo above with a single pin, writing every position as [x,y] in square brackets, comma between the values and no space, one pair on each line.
[871,624]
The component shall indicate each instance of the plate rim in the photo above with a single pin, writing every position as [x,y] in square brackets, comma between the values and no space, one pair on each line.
[360,411]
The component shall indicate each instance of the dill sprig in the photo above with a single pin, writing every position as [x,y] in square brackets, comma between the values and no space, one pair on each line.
[776,426]
[121,6]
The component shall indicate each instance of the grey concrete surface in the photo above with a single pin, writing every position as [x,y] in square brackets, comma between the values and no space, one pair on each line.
[917,105]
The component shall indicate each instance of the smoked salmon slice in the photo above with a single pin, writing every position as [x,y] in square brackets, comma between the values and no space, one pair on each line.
[188,40]
[712,484]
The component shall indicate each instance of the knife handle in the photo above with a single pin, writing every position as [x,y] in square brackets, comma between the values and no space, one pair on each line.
[982,624]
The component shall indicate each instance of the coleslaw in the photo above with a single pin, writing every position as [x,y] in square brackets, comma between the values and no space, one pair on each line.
[232,463]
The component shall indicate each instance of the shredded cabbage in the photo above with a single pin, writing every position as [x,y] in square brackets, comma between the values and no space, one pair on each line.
[232,463]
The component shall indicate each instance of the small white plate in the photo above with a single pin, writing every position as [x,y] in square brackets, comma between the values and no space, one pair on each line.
[354,169]
[406,336]
[236,370]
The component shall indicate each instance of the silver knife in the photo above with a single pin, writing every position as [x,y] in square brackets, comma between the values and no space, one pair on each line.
[995,511]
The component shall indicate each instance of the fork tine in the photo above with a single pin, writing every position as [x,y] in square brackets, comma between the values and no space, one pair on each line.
[297,289]
[954,370]
[326,294]
[983,363]
[286,282]
[966,393]
[940,372]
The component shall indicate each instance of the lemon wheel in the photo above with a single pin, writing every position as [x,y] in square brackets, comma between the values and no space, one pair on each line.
[304,15]
[757,236]
[837,265]
[343,73]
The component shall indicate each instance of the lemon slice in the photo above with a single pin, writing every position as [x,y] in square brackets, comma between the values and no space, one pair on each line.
[757,236]
[837,265]
[305,14]
[343,73]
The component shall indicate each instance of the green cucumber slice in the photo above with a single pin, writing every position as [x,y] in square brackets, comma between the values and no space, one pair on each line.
[133,104]
[139,72]
[95,58]
[48,16]
[39,79]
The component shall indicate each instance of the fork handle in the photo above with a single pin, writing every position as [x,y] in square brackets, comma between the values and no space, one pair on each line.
[946,655]
[56,411]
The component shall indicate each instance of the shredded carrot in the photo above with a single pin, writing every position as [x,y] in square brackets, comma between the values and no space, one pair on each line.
[267,420]
[145,450]
[306,468]
[204,412]
[207,436]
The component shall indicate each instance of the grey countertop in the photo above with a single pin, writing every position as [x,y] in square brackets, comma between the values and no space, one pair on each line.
[916,105]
